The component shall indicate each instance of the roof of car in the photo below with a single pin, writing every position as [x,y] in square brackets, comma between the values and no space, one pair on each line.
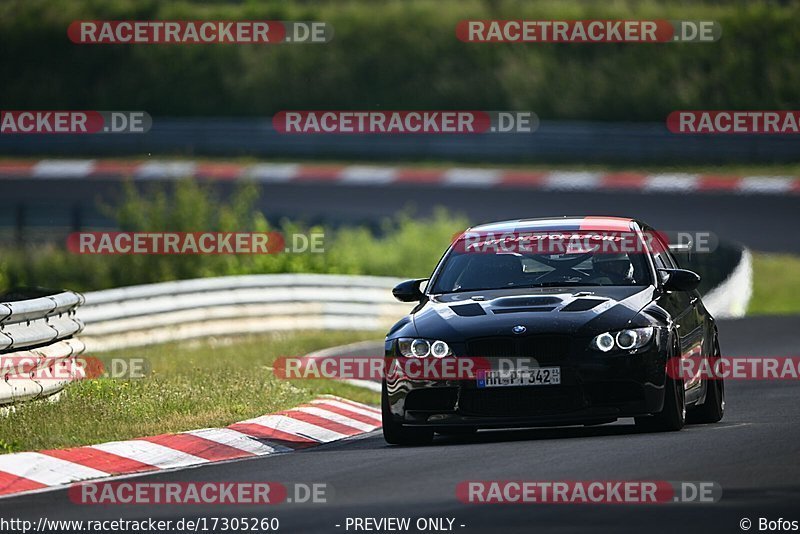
[607,224]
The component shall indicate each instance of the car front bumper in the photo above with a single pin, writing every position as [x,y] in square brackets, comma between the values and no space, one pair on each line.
[595,388]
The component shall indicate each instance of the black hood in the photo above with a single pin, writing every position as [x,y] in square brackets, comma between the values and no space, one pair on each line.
[573,311]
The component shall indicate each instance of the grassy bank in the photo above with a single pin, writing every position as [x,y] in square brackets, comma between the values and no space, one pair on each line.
[776,284]
[190,385]
[403,245]
[402,54]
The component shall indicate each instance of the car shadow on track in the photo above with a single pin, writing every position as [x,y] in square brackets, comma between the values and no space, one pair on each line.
[563,432]
[374,440]
[540,434]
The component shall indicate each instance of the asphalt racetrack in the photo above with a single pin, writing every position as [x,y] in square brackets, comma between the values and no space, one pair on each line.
[761,222]
[753,454]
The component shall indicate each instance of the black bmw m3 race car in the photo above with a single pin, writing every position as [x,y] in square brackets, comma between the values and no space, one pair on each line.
[575,320]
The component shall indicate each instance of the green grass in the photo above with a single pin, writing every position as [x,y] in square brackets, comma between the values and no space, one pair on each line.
[776,284]
[403,245]
[208,383]
[403,54]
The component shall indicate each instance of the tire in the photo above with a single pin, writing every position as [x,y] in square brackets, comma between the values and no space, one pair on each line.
[673,416]
[713,408]
[396,434]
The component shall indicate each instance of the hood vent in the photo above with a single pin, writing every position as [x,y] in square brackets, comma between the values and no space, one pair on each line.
[524,309]
[525,302]
[579,305]
[468,310]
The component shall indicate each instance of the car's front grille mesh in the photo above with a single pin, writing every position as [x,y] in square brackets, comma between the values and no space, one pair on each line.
[542,348]
[492,348]
[520,401]
[434,399]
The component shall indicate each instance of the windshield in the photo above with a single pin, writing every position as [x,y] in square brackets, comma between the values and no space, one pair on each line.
[467,271]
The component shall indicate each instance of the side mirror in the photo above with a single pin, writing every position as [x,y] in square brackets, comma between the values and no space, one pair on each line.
[409,290]
[680,279]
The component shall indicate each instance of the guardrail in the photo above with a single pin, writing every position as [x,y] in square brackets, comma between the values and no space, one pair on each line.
[554,141]
[729,299]
[233,305]
[36,344]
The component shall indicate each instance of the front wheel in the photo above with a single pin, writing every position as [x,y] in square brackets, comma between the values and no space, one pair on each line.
[713,408]
[673,416]
[396,434]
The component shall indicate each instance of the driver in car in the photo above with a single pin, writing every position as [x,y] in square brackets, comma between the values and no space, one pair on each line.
[612,269]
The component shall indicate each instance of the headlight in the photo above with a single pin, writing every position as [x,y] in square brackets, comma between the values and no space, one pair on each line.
[604,342]
[422,348]
[439,349]
[629,339]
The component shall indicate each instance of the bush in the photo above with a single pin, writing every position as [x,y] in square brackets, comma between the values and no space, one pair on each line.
[402,54]
[404,246]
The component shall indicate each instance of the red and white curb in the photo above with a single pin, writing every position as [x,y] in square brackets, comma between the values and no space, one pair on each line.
[388,175]
[322,420]
[374,348]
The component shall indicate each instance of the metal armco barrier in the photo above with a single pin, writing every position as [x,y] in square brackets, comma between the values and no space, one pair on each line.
[233,305]
[36,346]
[554,141]
[730,298]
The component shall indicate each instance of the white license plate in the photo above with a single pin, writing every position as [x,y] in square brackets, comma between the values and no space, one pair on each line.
[541,376]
